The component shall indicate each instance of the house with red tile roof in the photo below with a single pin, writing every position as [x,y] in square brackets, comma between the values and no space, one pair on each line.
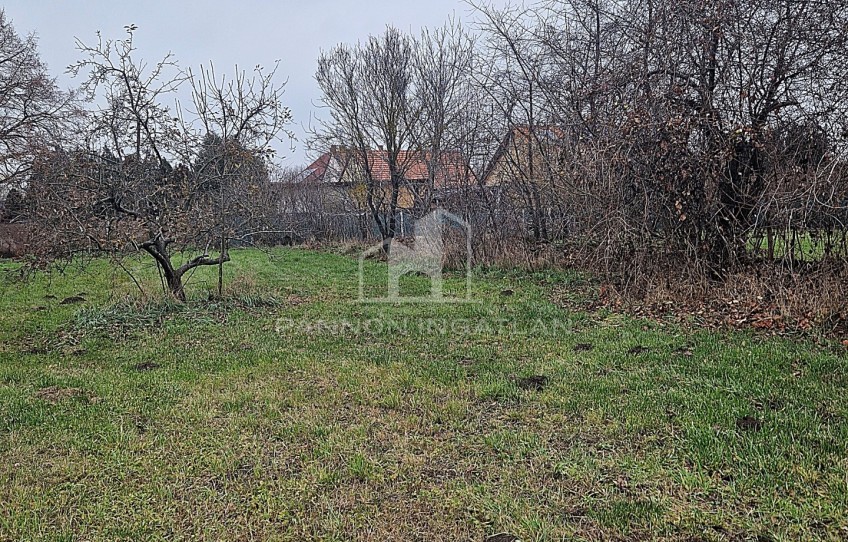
[421,174]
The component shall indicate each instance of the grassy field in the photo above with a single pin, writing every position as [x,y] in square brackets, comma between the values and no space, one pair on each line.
[288,412]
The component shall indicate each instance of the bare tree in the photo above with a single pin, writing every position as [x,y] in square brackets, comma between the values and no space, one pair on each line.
[241,118]
[32,108]
[444,69]
[515,60]
[370,93]
[117,190]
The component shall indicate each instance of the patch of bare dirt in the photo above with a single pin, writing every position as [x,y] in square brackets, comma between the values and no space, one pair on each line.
[687,351]
[533,383]
[749,423]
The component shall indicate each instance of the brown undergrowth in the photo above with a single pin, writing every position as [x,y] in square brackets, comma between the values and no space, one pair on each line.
[811,301]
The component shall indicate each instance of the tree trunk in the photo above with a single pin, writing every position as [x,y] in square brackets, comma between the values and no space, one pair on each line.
[221,267]
[175,284]
[173,277]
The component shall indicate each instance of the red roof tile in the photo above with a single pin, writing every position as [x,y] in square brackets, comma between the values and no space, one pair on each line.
[315,172]
[451,169]
[414,166]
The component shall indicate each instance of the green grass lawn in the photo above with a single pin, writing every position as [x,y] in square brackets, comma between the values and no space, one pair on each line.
[289,412]
[807,247]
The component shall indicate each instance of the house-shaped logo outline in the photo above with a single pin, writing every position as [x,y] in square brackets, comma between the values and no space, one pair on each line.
[426,256]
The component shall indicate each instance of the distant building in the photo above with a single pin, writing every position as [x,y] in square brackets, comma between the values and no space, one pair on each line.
[526,155]
[526,174]
[423,179]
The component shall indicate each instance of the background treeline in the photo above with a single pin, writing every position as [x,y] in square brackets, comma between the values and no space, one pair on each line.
[673,146]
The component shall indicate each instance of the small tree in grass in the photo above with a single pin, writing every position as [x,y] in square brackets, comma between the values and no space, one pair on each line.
[143,177]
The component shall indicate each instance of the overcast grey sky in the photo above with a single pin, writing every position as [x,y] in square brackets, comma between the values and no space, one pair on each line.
[228,33]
